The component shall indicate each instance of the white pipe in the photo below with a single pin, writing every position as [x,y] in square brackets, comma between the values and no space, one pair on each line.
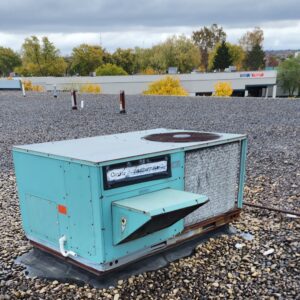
[54,91]
[274,91]
[72,99]
[64,252]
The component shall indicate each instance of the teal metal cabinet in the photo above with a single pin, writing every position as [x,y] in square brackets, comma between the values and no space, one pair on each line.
[103,207]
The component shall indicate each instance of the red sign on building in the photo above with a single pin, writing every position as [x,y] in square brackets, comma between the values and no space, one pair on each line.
[259,74]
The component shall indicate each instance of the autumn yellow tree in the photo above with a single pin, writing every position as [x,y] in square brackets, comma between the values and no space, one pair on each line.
[90,88]
[223,89]
[166,86]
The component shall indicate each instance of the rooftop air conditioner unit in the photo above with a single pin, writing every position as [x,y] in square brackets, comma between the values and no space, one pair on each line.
[109,200]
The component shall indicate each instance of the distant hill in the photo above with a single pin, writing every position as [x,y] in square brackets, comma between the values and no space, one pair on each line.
[281,53]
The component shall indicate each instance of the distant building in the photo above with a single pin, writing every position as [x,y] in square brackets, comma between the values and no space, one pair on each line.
[254,83]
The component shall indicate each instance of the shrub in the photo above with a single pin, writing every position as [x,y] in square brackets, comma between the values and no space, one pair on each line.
[30,87]
[90,88]
[110,70]
[149,71]
[223,89]
[166,86]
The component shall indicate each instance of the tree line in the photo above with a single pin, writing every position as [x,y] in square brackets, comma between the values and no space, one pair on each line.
[206,50]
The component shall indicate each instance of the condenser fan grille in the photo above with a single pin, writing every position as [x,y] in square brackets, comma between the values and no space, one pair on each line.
[181,137]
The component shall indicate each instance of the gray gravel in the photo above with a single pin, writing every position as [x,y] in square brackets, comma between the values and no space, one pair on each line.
[217,269]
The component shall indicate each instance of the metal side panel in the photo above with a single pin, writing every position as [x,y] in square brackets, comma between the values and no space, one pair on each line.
[42,216]
[81,233]
[40,182]
[59,198]
[139,216]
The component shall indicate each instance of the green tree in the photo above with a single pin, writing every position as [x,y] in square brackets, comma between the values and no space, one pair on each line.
[157,59]
[109,70]
[107,57]
[206,39]
[85,59]
[223,58]
[41,58]
[252,38]
[142,59]
[125,58]
[180,52]
[238,55]
[289,75]
[68,61]
[176,51]
[8,61]
[255,58]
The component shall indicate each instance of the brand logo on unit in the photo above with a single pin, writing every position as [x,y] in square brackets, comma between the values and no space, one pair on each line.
[135,171]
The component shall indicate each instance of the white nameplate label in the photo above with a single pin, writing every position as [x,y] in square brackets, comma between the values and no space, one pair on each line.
[135,171]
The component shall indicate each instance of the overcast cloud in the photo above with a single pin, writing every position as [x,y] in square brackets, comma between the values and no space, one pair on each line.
[129,23]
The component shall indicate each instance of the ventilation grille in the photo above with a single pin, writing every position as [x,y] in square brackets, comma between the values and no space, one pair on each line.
[213,172]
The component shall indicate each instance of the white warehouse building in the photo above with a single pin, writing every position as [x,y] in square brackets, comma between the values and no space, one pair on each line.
[256,84]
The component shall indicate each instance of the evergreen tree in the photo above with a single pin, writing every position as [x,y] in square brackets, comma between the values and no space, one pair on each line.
[223,58]
[255,58]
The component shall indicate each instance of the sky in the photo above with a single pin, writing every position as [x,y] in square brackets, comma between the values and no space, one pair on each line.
[130,23]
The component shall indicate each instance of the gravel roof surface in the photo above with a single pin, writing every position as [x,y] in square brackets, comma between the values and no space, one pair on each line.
[217,269]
